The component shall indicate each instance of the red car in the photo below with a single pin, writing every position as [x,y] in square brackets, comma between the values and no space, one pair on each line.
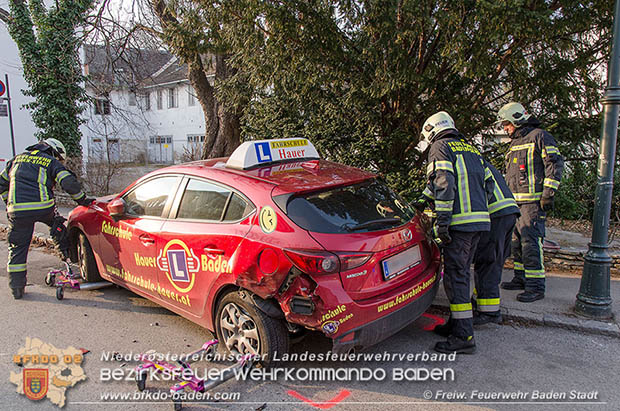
[264,244]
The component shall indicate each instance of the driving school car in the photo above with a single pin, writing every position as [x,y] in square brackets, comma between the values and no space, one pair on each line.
[265,244]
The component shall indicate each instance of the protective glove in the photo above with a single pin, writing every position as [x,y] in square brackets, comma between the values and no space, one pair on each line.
[442,236]
[547,203]
[420,204]
[86,201]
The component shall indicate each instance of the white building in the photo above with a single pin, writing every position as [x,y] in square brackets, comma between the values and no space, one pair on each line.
[143,107]
[23,127]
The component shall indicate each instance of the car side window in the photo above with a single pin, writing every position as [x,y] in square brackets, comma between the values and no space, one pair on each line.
[149,198]
[238,208]
[203,201]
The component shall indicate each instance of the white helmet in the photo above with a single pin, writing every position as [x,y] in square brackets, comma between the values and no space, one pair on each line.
[433,125]
[57,146]
[514,113]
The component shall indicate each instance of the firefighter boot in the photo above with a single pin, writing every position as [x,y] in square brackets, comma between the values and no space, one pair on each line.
[456,344]
[530,296]
[514,284]
[18,292]
[485,318]
[444,330]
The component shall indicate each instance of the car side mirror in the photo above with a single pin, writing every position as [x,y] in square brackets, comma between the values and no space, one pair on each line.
[116,208]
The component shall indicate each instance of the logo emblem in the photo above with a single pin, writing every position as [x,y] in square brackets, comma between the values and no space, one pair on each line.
[268,220]
[36,381]
[263,152]
[180,265]
[330,327]
[407,235]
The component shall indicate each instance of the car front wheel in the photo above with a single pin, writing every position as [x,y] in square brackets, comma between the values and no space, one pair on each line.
[86,260]
[244,329]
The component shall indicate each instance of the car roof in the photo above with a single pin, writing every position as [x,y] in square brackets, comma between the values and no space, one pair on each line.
[287,176]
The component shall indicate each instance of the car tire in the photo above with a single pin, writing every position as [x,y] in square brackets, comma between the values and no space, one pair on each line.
[86,260]
[262,335]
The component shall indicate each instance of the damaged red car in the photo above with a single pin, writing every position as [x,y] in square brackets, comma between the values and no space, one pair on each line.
[263,245]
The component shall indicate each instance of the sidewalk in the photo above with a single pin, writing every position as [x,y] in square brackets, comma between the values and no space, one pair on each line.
[555,310]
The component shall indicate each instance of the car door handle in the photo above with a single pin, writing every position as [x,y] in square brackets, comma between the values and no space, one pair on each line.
[146,239]
[210,250]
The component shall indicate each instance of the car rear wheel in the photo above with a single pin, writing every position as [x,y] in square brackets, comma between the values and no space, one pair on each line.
[243,329]
[86,260]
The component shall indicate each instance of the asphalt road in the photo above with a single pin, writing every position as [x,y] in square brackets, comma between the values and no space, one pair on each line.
[510,359]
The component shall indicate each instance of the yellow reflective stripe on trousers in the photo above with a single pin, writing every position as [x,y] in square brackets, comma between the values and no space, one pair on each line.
[549,182]
[473,217]
[42,181]
[61,176]
[463,185]
[14,268]
[488,304]
[461,311]
[39,205]
[538,273]
[518,266]
[444,205]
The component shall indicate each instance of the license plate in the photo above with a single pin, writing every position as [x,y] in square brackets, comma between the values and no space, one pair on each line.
[401,262]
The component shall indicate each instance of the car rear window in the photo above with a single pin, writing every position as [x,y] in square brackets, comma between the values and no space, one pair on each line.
[367,206]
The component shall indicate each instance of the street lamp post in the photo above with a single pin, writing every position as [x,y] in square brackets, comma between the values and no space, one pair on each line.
[594,299]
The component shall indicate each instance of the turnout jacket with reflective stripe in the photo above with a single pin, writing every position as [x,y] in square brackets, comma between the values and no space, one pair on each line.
[459,183]
[533,164]
[27,183]
[501,202]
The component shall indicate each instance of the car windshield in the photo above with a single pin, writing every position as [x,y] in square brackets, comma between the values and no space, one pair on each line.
[363,207]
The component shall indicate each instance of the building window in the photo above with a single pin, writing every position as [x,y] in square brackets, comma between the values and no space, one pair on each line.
[160,99]
[195,138]
[191,96]
[132,98]
[146,98]
[172,98]
[102,106]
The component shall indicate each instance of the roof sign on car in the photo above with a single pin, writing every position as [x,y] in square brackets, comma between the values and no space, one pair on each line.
[263,152]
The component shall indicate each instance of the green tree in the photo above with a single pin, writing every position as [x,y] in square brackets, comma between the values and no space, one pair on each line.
[48,47]
[360,77]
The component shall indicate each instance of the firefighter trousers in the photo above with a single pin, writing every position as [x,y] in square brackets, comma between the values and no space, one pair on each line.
[491,253]
[457,257]
[527,247]
[21,228]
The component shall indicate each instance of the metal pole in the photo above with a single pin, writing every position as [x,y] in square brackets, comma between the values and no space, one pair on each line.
[8,98]
[594,299]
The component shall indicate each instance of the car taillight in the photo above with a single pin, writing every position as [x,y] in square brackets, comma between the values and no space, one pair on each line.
[314,262]
[349,261]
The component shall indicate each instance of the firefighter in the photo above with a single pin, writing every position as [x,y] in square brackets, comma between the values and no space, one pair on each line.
[533,173]
[26,187]
[459,184]
[493,249]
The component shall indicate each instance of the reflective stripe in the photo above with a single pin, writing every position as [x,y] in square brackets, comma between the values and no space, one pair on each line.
[549,182]
[518,266]
[30,206]
[78,195]
[463,185]
[428,193]
[461,311]
[12,186]
[535,273]
[5,196]
[488,174]
[61,176]
[4,175]
[522,147]
[13,268]
[528,196]
[530,170]
[42,181]
[500,205]
[439,165]
[552,150]
[444,205]
[473,217]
